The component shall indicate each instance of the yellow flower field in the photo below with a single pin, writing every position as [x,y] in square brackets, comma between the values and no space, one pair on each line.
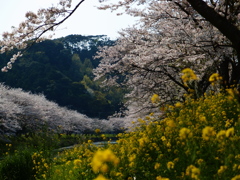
[198,140]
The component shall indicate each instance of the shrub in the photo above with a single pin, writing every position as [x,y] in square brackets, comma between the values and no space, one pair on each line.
[18,166]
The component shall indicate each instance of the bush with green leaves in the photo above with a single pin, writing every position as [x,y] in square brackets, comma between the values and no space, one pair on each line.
[18,166]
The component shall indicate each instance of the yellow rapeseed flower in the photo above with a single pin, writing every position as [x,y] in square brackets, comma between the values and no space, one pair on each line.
[119,174]
[143,141]
[104,168]
[155,99]
[100,157]
[230,132]
[200,161]
[108,156]
[169,145]
[45,165]
[185,133]
[208,132]
[100,177]
[221,134]
[178,105]
[163,138]
[170,123]
[215,77]
[97,131]
[193,172]
[202,118]
[170,165]
[161,178]
[237,177]
[44,176]
[188,75]
[232,92]
[228,123]
[132,157]
[222,169]
[68,163]
[77,162]
[157,166]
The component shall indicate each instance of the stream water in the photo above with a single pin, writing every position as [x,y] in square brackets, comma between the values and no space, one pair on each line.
[99,143]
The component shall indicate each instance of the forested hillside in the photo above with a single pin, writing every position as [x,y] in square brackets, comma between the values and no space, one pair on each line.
[61,69]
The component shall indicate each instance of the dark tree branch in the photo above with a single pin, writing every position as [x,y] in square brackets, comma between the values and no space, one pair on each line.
[189,14]
[55,24]
[224,26]
[221,23]
[165,72]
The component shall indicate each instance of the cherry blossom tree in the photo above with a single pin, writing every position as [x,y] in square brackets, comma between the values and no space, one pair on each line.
[224,15]
[34,28]
[22,112]
[202,35]
[152,55]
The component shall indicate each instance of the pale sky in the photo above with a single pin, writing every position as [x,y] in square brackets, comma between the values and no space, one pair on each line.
[87,20]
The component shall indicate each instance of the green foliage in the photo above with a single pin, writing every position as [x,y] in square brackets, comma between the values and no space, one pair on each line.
[17,162]
[18,166]
[31,156]
[27,156]
[71,139]
[61,69]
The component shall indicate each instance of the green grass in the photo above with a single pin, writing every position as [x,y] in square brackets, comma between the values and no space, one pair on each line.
[21,155]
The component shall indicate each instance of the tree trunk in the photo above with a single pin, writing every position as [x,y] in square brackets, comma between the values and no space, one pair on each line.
[225,27]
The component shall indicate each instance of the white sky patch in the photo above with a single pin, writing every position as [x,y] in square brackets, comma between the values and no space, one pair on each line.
[87,20]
